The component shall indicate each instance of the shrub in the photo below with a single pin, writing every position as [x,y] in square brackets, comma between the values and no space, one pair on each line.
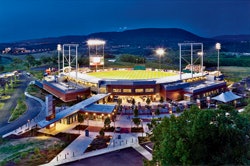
[101,133]
[24,154]
[16,160]
[36,150]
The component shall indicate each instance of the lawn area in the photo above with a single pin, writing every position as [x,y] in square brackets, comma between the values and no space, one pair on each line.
[1,105]
[235,73]
[17,149]
[20,109]
[5,97]
[32,148]
[131,74]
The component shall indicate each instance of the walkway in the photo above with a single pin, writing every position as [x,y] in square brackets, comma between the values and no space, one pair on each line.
[75,151]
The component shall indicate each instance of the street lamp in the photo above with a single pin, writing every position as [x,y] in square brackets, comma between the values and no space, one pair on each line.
[59,49]
[218,47]
[160,52]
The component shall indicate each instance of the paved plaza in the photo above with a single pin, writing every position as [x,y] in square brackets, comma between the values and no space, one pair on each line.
[76,150]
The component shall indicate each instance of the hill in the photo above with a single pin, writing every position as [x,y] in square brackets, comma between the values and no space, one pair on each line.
[235,43]
[137,40]
[149,37]
[238,38]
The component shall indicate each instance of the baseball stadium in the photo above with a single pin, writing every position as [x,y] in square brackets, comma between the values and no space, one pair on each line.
[96,83]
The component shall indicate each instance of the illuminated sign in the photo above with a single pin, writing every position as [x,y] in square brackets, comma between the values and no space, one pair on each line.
[96,60]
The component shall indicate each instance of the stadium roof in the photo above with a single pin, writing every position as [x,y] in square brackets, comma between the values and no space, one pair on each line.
[226,97]
[99,108]
[75,108]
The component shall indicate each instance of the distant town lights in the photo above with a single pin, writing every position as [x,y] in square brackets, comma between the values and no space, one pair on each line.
[94,42]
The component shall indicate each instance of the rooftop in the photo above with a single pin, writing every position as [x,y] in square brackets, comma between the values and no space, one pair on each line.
[75,108]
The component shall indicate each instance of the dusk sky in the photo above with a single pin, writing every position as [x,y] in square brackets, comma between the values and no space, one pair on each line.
[30,19]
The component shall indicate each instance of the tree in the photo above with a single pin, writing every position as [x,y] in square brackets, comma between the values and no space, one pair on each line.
[148,101]
[3,83]
[1,68]
[136,111]
[83,61]
[133,101]
[246,112]
[45,60]
[30,59]
[101,133]
[157,111]
[80,118]
[201,137]
[17,61]
[128,58]
[161,100]
[137,121]
[119,101]
[107,122]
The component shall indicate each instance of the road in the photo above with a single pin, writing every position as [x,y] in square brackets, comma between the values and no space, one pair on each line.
[34,108]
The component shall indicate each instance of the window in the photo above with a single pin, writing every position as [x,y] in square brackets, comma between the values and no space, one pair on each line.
[126,90]
[117,90]
[138,90]
[149,90]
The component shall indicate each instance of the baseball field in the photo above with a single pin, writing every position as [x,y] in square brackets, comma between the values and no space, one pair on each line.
[131,74]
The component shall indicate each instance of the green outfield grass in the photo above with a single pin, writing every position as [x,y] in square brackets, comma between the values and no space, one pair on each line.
[131,74]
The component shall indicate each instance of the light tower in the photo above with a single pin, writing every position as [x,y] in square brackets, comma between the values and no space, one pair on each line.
[96,52]
[187,51]
[160,52]
[70,58]
[59,49]
[218,47]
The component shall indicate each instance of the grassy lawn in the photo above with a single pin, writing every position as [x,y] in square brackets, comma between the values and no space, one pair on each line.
[235,73]
[131,74]
[5,97]
[1,105]
[28,150]
[19,110]
[32,148]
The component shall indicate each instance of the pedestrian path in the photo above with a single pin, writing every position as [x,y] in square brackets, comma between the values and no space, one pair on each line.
[142,151]
[75,149]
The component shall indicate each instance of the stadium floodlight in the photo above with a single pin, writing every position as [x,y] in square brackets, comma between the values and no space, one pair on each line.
[200,53]
[160,52]
[218,47]
[95,42]
[59,49]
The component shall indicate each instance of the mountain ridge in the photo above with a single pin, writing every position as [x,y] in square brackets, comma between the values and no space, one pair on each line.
[142,37]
